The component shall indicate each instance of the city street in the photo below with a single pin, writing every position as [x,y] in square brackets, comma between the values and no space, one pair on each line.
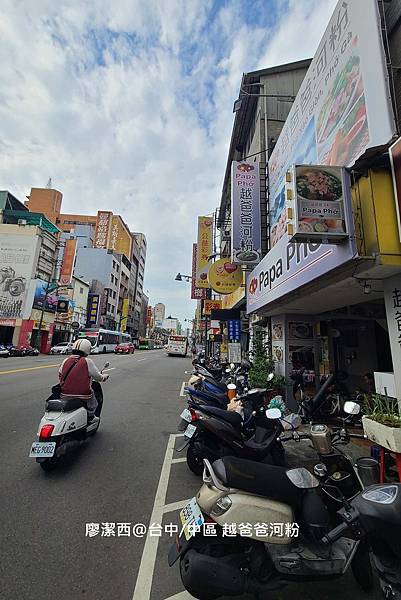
[128,473]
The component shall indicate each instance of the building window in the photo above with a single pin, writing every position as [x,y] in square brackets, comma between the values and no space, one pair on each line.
[81,290]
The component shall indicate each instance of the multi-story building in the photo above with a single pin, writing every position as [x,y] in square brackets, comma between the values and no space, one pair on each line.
[328,304]
[104,266]
[159,314]
[104,231]
[172,325]
[46,201]
[143,323]
[123,294]
[79,297]
[28,249]
[257,125]
[134,313]
[141,241]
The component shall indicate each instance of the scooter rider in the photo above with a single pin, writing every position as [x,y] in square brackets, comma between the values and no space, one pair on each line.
[76,373]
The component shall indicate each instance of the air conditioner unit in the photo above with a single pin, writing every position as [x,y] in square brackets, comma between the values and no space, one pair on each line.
[22,221]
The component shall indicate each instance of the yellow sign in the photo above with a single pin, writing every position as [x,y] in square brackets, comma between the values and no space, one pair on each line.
[204,250]
[211,305]
[224,277]
[120,237]
[230,300]
[124,315]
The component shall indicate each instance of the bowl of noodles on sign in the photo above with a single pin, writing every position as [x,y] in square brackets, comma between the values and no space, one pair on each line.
[315,184]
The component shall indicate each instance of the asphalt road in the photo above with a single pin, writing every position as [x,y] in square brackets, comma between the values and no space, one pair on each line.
[44,551]
[126,473]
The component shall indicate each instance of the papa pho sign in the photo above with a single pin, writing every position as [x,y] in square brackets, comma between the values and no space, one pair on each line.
[288,266]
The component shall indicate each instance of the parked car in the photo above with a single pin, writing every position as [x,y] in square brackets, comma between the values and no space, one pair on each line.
[125,348]
[62,348]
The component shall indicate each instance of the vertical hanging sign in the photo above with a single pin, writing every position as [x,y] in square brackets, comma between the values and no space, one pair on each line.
[204,251]
[245,213]
[196,293]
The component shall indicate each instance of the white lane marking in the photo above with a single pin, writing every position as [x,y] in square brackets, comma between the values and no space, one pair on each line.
[141,359]
[175,505]
[144,580]
[184,384]
[181,596]
[178,460]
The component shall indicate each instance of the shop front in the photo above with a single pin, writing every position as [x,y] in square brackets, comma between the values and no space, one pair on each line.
[7,330]
[30,332]
[327,304]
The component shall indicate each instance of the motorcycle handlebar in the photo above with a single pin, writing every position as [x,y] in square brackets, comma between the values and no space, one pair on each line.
[295,436]
[335,534]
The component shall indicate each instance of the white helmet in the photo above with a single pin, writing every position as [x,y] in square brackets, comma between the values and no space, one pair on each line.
[83,345]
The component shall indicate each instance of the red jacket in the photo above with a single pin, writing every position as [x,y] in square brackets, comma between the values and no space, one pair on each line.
[77,384]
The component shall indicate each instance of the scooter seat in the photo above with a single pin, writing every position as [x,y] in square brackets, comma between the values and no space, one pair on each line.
[229,416]
[64,404]
[208,397]
[217,384]
[257,478]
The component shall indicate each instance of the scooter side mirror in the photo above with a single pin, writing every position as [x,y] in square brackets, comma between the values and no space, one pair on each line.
[106,364]
[352,408]
[273,413]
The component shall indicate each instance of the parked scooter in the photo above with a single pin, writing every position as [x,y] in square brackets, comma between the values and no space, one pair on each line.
[30,351]
[216,432]
[273,503]
[4,352]
[64,427]
[20,351]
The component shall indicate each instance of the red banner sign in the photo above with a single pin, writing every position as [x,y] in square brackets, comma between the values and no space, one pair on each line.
[68,262]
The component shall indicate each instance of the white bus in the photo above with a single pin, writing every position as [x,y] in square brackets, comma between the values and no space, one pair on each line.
[177,345]
[104,340]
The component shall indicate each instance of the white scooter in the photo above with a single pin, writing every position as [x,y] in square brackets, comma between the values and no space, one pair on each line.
[64,427]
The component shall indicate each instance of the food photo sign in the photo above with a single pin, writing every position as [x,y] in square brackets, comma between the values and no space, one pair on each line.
[342,107]
[315,199]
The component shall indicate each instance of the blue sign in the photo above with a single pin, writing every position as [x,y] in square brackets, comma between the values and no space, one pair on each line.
[234,330]
[93,310]
[45,296]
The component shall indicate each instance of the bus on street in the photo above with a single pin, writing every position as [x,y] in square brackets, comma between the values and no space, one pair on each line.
[177,345]
[146,344]
[104,340]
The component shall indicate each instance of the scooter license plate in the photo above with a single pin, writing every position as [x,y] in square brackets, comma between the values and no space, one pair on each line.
[190,430]
[186,415]
[42,449]
[191,518]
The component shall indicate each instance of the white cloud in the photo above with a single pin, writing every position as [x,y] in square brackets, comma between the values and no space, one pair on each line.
[127,106]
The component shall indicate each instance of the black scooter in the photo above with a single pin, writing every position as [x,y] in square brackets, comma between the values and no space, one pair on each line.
[215,433]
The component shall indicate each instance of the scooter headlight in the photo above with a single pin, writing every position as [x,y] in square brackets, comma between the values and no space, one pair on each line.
[221,506]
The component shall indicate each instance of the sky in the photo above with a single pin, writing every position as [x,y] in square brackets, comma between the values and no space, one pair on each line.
[127,106]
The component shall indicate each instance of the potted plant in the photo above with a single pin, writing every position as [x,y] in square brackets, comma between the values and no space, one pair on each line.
[382,422]
[262,365]
[262,375]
